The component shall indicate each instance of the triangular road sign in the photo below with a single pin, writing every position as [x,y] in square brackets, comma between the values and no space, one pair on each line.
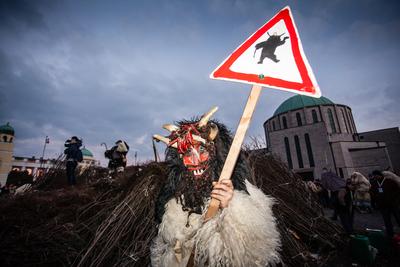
[273,56]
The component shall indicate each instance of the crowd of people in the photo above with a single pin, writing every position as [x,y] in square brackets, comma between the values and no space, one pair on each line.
[380,191]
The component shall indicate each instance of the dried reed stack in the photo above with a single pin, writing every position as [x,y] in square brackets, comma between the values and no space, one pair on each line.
[107,222]
[305,231]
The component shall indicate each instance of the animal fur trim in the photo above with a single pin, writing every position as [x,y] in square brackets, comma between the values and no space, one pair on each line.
[243,234]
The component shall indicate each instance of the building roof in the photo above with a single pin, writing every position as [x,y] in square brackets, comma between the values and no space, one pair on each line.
[86,152]
[300,101]
[7,129]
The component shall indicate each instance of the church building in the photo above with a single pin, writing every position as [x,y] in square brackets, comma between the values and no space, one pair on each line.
[310,134]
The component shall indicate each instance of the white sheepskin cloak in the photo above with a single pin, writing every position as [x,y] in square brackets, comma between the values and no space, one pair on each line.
[243,234]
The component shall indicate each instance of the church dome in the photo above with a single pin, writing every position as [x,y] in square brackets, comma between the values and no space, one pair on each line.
[300,101]
[86,152]
[7,129]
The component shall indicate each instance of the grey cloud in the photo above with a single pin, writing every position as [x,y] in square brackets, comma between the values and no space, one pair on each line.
[20,13]
[106,71]
[392,93]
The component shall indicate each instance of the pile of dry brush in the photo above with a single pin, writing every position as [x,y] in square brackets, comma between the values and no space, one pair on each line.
[105,222]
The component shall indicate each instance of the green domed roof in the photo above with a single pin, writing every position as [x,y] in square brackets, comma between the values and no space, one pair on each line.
[7,129]
[86,152]
[300,101]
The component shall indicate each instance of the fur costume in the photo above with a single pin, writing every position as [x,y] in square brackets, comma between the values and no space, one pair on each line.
[361,187]
[117,156]
[242,234]
[392,176]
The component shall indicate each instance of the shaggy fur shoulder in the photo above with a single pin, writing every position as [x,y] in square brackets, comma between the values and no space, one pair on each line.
[243,234]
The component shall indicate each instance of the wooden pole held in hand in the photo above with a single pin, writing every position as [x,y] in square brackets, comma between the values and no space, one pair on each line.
[237,142]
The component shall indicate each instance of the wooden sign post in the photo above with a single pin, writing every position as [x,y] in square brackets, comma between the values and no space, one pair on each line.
[235,148]
[273,56]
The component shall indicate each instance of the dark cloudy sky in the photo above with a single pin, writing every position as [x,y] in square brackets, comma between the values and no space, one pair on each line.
[108,70]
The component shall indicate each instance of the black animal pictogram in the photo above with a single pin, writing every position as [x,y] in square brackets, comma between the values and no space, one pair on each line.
[269,46]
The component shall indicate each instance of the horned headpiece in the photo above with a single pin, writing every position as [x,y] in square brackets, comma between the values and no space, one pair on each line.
[187,134]
[198,149]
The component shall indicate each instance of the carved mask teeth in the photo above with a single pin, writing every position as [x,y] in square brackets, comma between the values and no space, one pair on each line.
[198,172]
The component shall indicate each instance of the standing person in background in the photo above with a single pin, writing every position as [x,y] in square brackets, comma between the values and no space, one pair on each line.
[74,155]
[392,176]
[341,198]
[386,194]
[371,180]
[361,187]
[323,195]
[117,155]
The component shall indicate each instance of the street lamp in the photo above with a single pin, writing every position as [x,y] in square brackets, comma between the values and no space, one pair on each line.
[46,141]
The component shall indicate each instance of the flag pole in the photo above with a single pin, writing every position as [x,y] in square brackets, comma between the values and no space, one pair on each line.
[236,145]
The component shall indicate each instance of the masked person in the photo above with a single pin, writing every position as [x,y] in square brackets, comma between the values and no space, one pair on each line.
[242,233]
[117,156]
[73,155]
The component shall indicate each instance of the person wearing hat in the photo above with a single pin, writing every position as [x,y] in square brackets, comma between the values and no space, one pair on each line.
[73,156]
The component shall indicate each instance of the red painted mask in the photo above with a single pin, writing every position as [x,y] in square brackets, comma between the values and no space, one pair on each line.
[194,154]
[194,142]
[196,159]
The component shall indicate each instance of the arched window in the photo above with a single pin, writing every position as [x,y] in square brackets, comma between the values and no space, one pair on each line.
[4,138]
[352,122]
[284,123]
[273,125]
[298,118]
[288,155]
[341,172]
[345,121]
[298,151]
[11,139]
[331,121]
[349,122]
[309,150]
[314,116]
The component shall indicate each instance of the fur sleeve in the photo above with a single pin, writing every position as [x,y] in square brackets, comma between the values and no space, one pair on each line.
[243,234]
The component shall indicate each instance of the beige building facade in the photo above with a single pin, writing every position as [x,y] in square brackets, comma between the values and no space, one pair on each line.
[6,151]
[310,134]
[34,166]
[391,137]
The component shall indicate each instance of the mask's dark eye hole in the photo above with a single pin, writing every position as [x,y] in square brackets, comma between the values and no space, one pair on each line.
[188,151]
[202,149]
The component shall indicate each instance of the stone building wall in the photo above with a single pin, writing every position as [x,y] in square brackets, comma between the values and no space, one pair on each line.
[337,148]
[6,153]
[391,137]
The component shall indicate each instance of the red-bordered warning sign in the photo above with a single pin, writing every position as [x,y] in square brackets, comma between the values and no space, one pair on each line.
[273,56]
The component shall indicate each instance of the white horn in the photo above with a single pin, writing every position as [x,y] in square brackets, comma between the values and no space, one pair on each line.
[213,132]
[198,138]
[206,117]
[170,127]
[164,140]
